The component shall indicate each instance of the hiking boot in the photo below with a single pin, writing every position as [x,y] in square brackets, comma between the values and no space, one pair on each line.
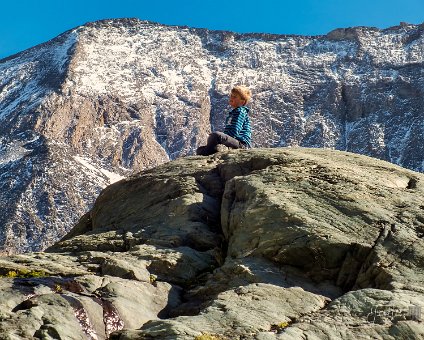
[203,151]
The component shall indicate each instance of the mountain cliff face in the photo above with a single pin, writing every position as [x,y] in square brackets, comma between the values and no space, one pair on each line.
[117,96]
[264,244]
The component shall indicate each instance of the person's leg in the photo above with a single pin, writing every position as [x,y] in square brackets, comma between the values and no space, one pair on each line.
[209,148]
[222,138]
[214,139]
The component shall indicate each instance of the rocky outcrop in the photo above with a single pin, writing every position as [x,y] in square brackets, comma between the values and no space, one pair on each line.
[245,244]
[115,97]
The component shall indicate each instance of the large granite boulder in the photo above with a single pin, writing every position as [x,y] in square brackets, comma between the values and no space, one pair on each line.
[246,244]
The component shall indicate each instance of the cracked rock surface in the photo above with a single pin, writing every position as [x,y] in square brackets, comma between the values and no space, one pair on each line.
[286,243]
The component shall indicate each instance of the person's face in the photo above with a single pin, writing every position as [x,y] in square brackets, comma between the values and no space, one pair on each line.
[236,100]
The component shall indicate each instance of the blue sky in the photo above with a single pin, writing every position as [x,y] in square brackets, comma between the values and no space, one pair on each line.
[26,23]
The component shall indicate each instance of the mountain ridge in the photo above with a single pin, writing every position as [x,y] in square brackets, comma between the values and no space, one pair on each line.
[105,22]
[120,96]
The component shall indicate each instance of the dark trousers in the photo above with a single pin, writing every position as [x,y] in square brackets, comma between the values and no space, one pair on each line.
[216,138]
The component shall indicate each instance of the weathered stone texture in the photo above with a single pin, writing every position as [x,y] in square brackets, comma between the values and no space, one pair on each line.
[245,244]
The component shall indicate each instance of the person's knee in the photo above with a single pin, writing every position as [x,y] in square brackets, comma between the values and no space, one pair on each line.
[214,138]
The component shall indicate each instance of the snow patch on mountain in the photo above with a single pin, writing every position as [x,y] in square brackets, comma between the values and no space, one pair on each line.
[118,96]
[26,79]
[104,176]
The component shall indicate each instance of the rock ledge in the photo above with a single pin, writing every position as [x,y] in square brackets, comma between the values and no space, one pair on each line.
[245,244]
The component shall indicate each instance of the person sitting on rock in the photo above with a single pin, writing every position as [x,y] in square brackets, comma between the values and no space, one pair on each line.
[237,132]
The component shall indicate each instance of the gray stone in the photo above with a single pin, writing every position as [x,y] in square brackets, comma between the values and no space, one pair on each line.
[245,244]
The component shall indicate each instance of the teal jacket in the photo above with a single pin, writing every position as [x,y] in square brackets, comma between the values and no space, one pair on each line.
[237,125]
